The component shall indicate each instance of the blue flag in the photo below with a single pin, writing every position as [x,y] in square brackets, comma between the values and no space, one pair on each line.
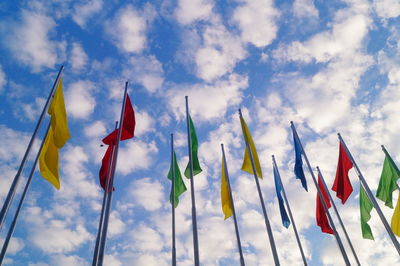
[298,166]
[284,216]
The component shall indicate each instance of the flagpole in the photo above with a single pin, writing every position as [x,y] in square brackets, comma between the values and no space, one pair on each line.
[267,224]
[173,201]
[14,184]
[321,197]
[105,198]
[387,154]
[21,201]
[290,213]
[371,197]
[194,219]
[233,208]
[110,186]
[338,216]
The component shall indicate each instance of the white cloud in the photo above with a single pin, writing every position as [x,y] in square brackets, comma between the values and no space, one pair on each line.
[256,20]
[134,155]
[144,123]
[189,11]
[129,27]
[80,103]
[305,8]
[96,129]
[147,193]
[30,40]
[32,110]
[116,225]
[387,8]
[85,10]
[3,80]
[78,57]
[65,260]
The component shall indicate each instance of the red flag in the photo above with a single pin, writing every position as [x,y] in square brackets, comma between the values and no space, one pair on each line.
[322,220]
[128,130]
[342,184]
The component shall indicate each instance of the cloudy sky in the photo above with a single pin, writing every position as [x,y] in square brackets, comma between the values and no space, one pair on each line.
[330,66]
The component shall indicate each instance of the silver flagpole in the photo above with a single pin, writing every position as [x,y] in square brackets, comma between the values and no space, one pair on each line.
[13,188]
[233,208]
[371,197]
[105,199]
[267,224]
[173,201]
[111,183]
[321,197]
[386,153]
[338,216]
[290,212]
[21,201]
[194,219]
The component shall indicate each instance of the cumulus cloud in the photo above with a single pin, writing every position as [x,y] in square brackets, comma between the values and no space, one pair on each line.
[78,57]
[96,129]
[147,193]
[189,11]
[2,79]
[30,40]
[85,10]
[387,8]
[135,155]
[80,102]
[128,29]
[305,8]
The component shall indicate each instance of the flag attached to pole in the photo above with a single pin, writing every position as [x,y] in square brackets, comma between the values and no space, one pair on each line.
[278,188]
[178,182]
[225,198]
[342,184]
[246,166]
[56,138]
[395,224]
[322,220]
[365,211]
[195,147]
[387,183]
[298,166]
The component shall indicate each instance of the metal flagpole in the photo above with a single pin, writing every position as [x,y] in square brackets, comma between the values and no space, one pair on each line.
[194,219]
[14,184]
[371,197]
[268,225]
[338,216]
[321,197]
[173,200]
[110,186]
[233,208]
[386,153]
[290,212]
[105,198]
[21,201]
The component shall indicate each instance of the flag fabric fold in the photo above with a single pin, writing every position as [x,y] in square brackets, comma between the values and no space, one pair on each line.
[395,224]
[278,188]
[225,198]
[105,165]
[387,183]
[322,219]
[178,182]
[195,146]
[298,166]
[246,166]
[56,138]
[365,213]
[342,185]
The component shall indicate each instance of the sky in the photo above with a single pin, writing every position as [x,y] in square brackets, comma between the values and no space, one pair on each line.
[329,66]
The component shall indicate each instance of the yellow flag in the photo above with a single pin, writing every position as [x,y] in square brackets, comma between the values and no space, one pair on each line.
[225,199]
[56,138]
[246,166]
[396,219]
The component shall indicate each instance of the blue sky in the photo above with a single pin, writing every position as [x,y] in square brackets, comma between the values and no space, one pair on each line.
[330,66]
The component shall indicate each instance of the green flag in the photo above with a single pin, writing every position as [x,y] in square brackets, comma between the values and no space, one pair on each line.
[178,182]
[365,211]
[387,183]
[195,147]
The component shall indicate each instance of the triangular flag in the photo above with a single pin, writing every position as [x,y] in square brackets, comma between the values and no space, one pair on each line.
[278,188]
[225,198]
[298,166]
[246,166]
[342,184]
[365,211]
[178,182]
[388,181]
[195,146]
[322,219]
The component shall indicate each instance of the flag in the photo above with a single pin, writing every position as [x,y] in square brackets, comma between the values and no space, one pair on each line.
[396,219]
[178,182]
[195,146]
[342,184]
[56,138]
[388,182]
[322,219]
[246,166]
[128,131]
[298,166]
[365,211]
[278,188]
[225,198]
